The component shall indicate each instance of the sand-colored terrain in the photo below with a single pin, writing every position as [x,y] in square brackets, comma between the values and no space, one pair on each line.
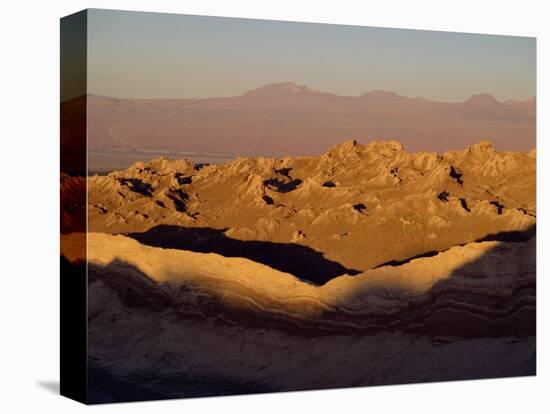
[365,265]
[414,296]
[171,323]
[354,208]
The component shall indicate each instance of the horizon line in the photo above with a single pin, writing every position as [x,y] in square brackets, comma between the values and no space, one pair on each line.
[308,89]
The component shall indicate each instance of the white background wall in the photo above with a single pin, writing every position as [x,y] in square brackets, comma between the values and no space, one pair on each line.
[29,279]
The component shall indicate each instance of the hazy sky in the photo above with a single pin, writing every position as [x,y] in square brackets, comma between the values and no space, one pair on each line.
[154,55]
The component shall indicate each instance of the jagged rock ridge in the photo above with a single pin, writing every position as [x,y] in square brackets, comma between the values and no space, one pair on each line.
[366,265]
[357,205]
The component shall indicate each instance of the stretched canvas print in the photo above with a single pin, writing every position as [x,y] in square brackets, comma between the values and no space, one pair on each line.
[253,206]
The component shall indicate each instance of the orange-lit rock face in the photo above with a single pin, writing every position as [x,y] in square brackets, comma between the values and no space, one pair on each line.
[231,317]
[413,296]
[383,205]
[386,260]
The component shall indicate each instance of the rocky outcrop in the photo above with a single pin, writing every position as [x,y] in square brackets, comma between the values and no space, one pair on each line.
[366,265]
[478,290]
[403,213]
[175,323]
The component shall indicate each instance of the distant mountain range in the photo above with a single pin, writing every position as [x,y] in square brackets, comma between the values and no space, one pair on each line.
[289,119]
